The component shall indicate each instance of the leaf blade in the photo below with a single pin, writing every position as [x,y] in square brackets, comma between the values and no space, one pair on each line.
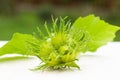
[101,32]
[17,44]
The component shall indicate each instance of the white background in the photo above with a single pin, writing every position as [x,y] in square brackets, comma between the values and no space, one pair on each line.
[104,64]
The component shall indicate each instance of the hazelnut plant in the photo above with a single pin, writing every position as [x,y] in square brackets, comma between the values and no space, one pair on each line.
[63,43]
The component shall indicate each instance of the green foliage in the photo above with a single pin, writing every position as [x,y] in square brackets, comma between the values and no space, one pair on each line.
[63,43]
[25,22]
[100,31]
[18,44]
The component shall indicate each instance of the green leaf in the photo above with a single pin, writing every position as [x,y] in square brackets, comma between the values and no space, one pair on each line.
[100,31]
[18,44]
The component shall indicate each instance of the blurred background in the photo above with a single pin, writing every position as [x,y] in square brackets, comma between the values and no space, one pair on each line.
[25,15]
